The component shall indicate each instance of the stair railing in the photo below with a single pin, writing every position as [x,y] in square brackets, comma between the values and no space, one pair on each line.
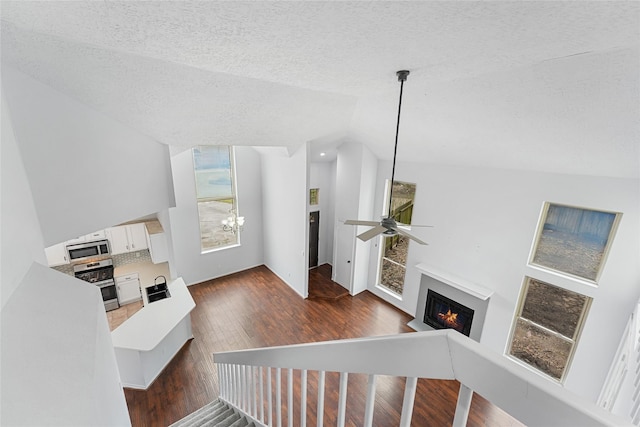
[445,354]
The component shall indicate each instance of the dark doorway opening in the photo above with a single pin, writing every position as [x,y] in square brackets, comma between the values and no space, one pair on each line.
[314,235]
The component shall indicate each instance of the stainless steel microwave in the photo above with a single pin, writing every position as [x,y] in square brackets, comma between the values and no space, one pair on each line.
[88,250]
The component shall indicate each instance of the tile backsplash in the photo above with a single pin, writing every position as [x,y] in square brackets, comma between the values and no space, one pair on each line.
[118,260]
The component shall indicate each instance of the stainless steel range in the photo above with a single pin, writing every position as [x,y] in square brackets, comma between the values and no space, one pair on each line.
[100,273]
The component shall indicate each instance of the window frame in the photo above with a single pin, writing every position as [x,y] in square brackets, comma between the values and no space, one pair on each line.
[574,341]
[382,244]
[234,200]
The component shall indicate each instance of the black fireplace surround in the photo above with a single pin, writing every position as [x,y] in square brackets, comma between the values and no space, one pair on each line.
[444,313]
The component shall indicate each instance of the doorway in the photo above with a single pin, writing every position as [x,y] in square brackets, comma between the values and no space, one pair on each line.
[314,234]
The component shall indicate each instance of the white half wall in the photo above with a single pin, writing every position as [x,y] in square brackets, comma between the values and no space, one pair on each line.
[189,261]
[86,170]
[484,224]
[322,176]
[21,237]
[286,221]
[57,361]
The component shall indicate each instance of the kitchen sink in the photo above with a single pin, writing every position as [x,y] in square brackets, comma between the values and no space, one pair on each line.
[157,292]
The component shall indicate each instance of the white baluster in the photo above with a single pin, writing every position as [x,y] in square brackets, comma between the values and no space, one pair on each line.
[279,396]
[269,397]
[342,399]
[220,380]
[320,410]
[253,392]
[465,394]
[303,398]
[290,397]
[407,402]
[261,373]
[236,384]
[243,387]
[371,397]
[229,382]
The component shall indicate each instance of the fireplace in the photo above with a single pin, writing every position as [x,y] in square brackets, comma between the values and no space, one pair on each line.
[444,313]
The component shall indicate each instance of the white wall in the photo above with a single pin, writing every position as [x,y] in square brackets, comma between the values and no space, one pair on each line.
[58,364]
[21,237]
[322,176]
[485,221]
[355,184]
[189,263]
[285,222]
[366,211]
[86,171]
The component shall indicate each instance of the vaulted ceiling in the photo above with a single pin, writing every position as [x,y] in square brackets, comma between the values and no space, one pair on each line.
[551,86]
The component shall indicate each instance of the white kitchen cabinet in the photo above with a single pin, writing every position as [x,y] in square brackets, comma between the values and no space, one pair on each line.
[137,234]
[77,240]
[157,242]
[98,235]
[128,288]
[57,254]
[118,240]
[127,238]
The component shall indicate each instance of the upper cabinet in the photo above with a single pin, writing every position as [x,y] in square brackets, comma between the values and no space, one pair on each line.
[122,239]
[127,238]
[57,254]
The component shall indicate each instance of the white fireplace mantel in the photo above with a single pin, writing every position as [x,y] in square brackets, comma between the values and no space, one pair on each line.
[463,285]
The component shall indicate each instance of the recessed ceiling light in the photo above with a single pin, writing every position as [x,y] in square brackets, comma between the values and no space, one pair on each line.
[322,154]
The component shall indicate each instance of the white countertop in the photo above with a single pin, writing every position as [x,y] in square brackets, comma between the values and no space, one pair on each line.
[147,271]
[150,325]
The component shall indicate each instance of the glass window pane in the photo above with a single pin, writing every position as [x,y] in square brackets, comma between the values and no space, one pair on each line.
[540,349]
[402,203]
[212,166]
[392,276]
[211,214]
[554,308]
[395,249]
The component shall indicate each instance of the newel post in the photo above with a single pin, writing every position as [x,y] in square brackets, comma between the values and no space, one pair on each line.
[462,407]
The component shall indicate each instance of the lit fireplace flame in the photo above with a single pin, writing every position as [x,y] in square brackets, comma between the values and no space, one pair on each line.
[450,319]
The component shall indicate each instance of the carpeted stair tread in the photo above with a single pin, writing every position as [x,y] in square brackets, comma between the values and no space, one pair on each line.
[205,416]
[216,405]
[211,419]
[226,422]
[242,422]
[216,414]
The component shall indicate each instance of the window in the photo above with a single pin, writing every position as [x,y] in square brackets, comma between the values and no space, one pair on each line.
[216,194]
[547,327]
[314,193]
[395,248]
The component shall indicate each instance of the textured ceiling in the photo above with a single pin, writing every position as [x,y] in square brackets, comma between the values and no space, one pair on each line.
[534,85]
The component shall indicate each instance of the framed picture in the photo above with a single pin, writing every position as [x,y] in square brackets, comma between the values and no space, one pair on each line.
[573,240]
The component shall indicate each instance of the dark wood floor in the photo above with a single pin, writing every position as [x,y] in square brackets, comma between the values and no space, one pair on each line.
[322,287]
[255,308]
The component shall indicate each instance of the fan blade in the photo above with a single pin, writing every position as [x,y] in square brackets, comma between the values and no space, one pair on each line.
[370,234]
[412,237]
[358,222]
[409,226]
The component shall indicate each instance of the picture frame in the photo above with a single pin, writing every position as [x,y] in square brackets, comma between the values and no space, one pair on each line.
[573,240]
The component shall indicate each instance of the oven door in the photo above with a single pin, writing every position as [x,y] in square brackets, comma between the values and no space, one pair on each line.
[108,291]
[109,295]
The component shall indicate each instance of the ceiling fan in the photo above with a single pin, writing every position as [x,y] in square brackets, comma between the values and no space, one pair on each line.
[387,225]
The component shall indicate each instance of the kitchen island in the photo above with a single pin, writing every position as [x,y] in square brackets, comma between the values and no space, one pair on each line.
[146,342]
